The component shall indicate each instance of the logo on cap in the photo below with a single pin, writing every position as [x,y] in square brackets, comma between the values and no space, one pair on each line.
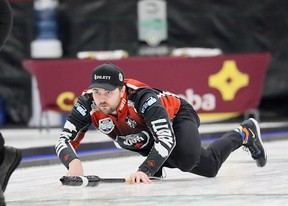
[120,77]
[102,77]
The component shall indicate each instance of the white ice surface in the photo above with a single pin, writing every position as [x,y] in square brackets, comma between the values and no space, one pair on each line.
[239,182]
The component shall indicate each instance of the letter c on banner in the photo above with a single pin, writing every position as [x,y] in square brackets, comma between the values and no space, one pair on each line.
[62,101]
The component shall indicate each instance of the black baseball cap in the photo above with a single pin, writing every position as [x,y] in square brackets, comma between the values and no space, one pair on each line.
[107,76]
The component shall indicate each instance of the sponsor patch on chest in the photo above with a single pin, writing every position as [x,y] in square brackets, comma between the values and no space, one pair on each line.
[134,141]
[131,122]
[106,125]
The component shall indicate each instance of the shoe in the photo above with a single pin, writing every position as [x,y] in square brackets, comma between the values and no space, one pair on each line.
[11,160]
[250,131]
[2,200]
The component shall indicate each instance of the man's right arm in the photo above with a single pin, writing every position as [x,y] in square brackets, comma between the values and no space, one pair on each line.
[77,123]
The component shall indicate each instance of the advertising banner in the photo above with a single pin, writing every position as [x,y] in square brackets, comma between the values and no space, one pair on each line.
[213,85]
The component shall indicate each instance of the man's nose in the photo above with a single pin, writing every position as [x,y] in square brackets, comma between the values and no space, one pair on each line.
[102,99]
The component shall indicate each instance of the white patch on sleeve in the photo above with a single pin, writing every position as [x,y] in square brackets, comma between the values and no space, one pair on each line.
[161,150]
[70,126]
[60,145]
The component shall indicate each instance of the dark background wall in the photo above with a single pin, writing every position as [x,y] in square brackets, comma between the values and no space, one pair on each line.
[233,26]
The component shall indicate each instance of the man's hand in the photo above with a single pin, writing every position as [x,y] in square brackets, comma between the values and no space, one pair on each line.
[75,168]
[138,177]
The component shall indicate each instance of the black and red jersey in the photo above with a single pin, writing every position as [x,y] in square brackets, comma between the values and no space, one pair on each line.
[143,124]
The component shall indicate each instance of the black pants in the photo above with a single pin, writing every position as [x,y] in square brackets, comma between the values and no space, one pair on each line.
[188,154]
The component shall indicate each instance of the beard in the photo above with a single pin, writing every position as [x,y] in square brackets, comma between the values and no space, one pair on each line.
[106,109]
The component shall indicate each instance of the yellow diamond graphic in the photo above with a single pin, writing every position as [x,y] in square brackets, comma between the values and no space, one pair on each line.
[228,80]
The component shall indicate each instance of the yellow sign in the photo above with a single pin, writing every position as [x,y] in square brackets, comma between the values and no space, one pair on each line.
[229,80]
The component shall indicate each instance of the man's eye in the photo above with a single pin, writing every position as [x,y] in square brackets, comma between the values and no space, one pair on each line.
[97,93]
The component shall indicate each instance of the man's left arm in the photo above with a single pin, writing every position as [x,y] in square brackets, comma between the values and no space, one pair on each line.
[157,119]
